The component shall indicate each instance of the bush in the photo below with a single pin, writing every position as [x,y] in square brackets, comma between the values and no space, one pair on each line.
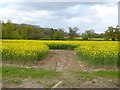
[85,37]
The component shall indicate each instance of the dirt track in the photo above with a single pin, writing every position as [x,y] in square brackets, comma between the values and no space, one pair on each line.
[62,61]
[65,61]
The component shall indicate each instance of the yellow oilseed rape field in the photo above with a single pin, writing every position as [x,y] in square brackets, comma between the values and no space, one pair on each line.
[23,51]
[98,53]
[52,44]
[94,52]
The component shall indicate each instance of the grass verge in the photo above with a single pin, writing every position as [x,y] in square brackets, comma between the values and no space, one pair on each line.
[104,74]
[16,72]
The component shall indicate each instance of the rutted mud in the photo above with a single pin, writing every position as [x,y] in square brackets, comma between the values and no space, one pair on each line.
[66,62]
[62,61]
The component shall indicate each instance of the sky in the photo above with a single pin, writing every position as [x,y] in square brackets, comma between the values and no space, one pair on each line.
[84,15]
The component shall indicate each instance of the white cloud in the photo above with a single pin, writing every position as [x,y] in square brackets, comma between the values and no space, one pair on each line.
[77,20]
[59,0]
[73,9]
[103,10]
[3,1]
[95,16]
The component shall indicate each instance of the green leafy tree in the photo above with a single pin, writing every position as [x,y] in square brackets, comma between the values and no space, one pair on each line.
[90,33]
[8,30]
[85,36]
[16,35]
[117,32]
[72,32]
[48,32]
[4,31]
[113,33]
[0,29]
[58,34]
[23,31]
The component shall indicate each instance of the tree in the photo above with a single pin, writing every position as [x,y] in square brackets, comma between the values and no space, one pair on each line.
[48,32]
[101,35]
[72,32]
[117,32]
[36,32]
[58,34]
[107,35]
[4,31]
[90,33]
[85,36]
[113,33]
[0,29]
[23,31]
[8,30]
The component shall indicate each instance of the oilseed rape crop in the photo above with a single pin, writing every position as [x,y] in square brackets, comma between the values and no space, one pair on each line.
[52,44]
[98,53]
[23,51]
[94,52]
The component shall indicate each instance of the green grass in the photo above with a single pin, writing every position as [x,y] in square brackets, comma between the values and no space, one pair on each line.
[16,72]
[104,74]
[97,39]
[84,74]
[107,74]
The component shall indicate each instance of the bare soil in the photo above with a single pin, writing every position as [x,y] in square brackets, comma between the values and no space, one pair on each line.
[66,62]
[62,61]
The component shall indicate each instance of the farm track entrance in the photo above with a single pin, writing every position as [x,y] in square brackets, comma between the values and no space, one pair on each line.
[64,61]
[61,61]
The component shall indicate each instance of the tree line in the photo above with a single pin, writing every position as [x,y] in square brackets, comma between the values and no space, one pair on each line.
[26,31]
